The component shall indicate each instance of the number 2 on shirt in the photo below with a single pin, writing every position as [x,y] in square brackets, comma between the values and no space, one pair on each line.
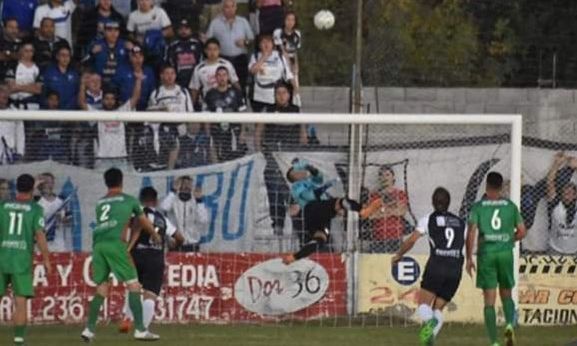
[105,210]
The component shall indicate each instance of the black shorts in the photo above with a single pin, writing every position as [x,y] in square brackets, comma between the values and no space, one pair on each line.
[318,216]
[442,278]
[150,269]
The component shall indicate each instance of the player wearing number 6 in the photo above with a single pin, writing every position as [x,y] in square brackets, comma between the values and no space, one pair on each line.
[499,225]
[446,233]
[110,252]
[21,222]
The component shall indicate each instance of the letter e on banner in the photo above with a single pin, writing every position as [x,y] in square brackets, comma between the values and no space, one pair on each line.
[406,271]
[272,288]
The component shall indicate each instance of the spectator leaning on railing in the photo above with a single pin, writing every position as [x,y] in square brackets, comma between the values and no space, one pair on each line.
[112,142]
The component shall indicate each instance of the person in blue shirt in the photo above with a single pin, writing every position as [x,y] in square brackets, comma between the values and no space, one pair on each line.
[107,54]
[63,79]
[124,79]
[22,11]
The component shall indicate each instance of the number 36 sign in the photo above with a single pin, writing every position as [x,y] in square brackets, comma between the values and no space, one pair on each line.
[273,288]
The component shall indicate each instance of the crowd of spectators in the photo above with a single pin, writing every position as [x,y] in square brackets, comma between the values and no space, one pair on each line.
[157,55]
[150,55]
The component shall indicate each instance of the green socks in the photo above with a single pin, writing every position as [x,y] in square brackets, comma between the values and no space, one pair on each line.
[95,305]
[509,309]
[19,334]
[491,322]
[135,305]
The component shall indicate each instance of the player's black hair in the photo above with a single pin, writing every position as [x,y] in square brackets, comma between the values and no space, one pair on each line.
[25,183]
[113,177]
[386,168]
[10,19]
[52,92]
[494,181]
[292,13]
[263,37]
[48,174]
[60,47]
[212,40]
[186,177]
[441,199]
[46,19]
[165,67]
[221,68]
[148,194]
[110,89]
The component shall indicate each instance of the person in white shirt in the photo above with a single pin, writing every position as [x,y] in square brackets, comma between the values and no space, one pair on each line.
[148,17]
[235,36]
[12,138]
[562,200]
[111,145]
[186,210]
[170,96]
[268,67]
[54,215]
[61,12]
[204,76]
[24,80]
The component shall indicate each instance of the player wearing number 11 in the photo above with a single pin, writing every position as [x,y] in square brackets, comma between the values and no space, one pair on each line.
[110,252]
[21,222]
[499,224]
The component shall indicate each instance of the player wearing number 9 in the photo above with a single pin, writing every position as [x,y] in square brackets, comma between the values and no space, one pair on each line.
[446,233]
[499,225]
[21,222]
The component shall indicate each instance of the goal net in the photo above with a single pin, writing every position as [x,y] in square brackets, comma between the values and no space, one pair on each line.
[222,180]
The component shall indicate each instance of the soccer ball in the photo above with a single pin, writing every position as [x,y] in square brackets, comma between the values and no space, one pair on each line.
[324,20]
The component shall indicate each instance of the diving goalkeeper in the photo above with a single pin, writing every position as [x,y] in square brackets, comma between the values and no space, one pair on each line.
[309,189]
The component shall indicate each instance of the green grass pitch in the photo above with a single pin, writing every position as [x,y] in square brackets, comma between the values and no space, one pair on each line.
[305,335]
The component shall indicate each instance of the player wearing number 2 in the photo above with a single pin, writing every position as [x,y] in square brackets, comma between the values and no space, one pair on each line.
[21,222]
[446,233]
[499,225]
[110,252]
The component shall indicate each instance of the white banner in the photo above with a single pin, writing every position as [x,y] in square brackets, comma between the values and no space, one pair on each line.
[234,193]
[460,169]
